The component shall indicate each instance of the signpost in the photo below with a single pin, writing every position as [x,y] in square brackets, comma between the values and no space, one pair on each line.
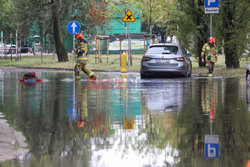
[211,7]
[211,146]
[74,27]
[128,18]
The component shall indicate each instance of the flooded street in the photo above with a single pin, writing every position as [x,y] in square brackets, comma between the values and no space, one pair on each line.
[122,120]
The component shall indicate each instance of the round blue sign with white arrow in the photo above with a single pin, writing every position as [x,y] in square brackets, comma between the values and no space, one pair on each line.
[74,27]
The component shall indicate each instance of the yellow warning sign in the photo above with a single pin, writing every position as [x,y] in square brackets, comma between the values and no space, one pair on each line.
[128,17]
[129,124]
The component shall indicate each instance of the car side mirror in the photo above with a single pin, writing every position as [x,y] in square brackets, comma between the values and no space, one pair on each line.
[189,54]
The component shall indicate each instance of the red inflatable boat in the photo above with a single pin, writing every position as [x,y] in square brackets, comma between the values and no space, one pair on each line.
[30,78]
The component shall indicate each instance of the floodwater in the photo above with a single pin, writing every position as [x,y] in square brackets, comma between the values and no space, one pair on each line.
[121,120]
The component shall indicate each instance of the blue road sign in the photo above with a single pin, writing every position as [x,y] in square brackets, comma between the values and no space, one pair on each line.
[211,150]
[211,3]
[74,27]
[211,146]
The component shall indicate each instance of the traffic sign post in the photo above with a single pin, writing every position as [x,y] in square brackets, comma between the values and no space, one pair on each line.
[211,7]
[129,18]
[211,146]
[74,27]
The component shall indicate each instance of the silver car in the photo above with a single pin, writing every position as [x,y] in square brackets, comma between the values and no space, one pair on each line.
[248,74]
[166,59]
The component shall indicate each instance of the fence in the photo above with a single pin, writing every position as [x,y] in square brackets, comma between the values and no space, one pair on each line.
[11,47]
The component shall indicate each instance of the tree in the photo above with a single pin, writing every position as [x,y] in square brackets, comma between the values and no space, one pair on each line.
[193,29]
[49,16]
[235,22]
[231,24]
[46,16]
[97,13]
[7,23]
[151,10]
[60,49]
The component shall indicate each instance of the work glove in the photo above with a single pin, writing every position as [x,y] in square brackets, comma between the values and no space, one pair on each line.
[208,56]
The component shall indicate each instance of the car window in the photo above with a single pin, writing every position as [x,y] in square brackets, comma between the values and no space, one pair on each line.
[162,49]
[183,50]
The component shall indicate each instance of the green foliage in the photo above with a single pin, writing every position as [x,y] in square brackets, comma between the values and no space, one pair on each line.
[151,11]
[235,22]
[192,24]
[7,23]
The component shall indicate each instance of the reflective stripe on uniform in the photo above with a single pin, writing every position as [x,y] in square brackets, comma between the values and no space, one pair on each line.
[90,74]
[81,58]
[78,77]
[208,48]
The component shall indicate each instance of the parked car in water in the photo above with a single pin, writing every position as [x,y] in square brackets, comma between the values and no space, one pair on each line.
[166,59]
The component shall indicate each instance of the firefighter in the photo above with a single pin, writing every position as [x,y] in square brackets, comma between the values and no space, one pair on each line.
[209,55]
[81,63]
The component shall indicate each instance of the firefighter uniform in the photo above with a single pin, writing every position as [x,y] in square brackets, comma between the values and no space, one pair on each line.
[209,54]
[81,63]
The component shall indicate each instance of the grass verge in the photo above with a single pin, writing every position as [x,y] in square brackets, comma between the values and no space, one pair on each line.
[113,64]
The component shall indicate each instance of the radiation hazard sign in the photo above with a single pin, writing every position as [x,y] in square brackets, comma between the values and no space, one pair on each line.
[128,17]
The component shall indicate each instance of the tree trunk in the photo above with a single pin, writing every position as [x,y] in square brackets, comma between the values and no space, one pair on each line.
[231,56]
[202,31]
[230,48]
[60,48]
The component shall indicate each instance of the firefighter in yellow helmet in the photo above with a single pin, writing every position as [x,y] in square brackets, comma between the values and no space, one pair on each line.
[81,63]
[209,55]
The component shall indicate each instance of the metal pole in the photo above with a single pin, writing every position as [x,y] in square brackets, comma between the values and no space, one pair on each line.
[211,25]
[211,128]
[128,44]
[2,37]
[73,50]
[16,47]
[41,49]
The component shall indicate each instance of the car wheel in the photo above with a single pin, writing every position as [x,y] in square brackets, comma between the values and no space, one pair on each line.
[248,78]
[185,74]
[142,74]
[190,73]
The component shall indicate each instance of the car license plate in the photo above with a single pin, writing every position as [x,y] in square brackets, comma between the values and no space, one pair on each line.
[163,61]
[152,61]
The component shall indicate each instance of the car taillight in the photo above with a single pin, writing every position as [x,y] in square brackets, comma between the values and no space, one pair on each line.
[180,59]
[146,59]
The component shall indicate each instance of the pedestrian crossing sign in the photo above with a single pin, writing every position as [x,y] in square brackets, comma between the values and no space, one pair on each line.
[128,17]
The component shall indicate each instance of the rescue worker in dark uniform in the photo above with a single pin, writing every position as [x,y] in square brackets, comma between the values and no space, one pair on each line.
[81,63]
[209,55]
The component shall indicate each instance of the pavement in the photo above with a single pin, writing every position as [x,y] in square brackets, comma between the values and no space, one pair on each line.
[12,142]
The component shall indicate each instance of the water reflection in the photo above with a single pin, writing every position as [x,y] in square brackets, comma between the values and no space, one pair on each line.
[226,98]
[165,95]
[131,122]
[82,106]
[248,94]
